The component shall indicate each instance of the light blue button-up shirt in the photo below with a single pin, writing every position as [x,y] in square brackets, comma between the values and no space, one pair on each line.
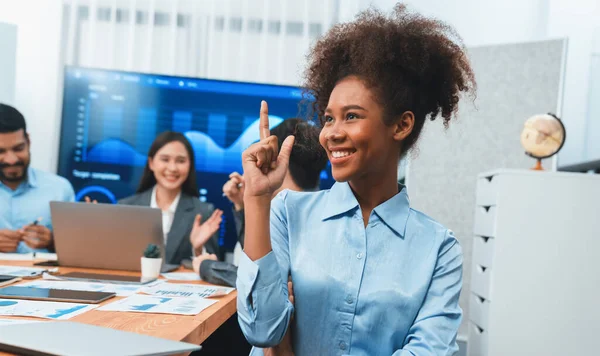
[391,288]
[31,200]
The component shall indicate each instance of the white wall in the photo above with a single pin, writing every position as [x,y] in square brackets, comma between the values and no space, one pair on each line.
[578,24]
[494,22]
[482,22]
[38,72]
[593,136]
[8,59]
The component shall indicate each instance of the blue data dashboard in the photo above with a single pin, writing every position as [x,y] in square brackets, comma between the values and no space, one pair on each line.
[110,119]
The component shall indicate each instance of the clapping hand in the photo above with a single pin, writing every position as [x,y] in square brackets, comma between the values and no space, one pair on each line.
[202,232]
[88,200]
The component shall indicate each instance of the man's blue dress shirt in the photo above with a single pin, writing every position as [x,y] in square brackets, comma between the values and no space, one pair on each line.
[31,200]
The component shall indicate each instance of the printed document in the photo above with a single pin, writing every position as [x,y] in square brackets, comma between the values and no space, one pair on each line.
[39,309]
[151,304]
[186,290]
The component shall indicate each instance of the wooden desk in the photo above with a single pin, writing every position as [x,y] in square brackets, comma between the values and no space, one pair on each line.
[193,329]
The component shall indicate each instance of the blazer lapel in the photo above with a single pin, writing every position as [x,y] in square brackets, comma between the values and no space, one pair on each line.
[179,228]
[144,198]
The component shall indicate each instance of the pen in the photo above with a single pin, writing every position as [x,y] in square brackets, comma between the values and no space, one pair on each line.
[35,223]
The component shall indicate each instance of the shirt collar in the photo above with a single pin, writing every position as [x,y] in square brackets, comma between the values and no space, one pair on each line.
[340,200]
[30,181]
[31,177]
[173,205]
[394,212]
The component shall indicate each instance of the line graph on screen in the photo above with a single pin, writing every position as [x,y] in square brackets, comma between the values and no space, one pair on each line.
[209,155]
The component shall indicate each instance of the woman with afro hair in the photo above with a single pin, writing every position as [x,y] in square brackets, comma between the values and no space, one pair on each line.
[370,275]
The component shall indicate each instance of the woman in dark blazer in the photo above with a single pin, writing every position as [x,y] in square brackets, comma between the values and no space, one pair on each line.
[190,227]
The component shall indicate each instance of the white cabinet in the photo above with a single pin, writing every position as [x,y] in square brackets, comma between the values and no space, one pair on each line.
[535,282]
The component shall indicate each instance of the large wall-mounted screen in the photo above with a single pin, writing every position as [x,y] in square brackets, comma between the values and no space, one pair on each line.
[110,119]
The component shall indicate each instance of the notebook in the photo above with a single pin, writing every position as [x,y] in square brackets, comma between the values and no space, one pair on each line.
[77,339]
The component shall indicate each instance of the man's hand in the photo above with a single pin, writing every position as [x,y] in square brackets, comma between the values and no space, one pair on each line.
[201,258]
[9,240]
[36,236]
[234,190]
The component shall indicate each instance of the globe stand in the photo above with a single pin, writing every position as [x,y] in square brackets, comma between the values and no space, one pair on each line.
[538,166]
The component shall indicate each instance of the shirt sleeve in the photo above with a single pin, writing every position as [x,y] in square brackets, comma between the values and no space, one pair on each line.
[217,272]
[238,219]
[264,310]
[436,325]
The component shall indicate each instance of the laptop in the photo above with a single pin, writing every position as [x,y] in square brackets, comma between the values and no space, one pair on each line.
[105,236]
[69,338]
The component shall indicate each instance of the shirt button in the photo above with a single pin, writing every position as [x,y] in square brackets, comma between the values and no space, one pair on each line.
[359,256]
[349,299]
[342,345]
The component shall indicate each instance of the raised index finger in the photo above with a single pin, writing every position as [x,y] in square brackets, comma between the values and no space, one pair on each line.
[264,120]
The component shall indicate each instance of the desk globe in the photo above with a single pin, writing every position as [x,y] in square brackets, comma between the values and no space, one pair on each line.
[542,137]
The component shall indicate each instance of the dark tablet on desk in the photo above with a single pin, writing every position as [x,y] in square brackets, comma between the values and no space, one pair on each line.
[105,278]
[54,295]
[5,280]
[47,263]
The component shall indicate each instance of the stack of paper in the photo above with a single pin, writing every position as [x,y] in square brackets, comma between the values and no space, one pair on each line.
[27,256]
[48,256]
[16,256]
[17,271]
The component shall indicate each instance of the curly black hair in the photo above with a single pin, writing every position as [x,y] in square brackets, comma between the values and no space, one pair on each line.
[409,62]
[308,158]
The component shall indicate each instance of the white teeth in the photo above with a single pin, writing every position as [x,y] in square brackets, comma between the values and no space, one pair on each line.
[340,154]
